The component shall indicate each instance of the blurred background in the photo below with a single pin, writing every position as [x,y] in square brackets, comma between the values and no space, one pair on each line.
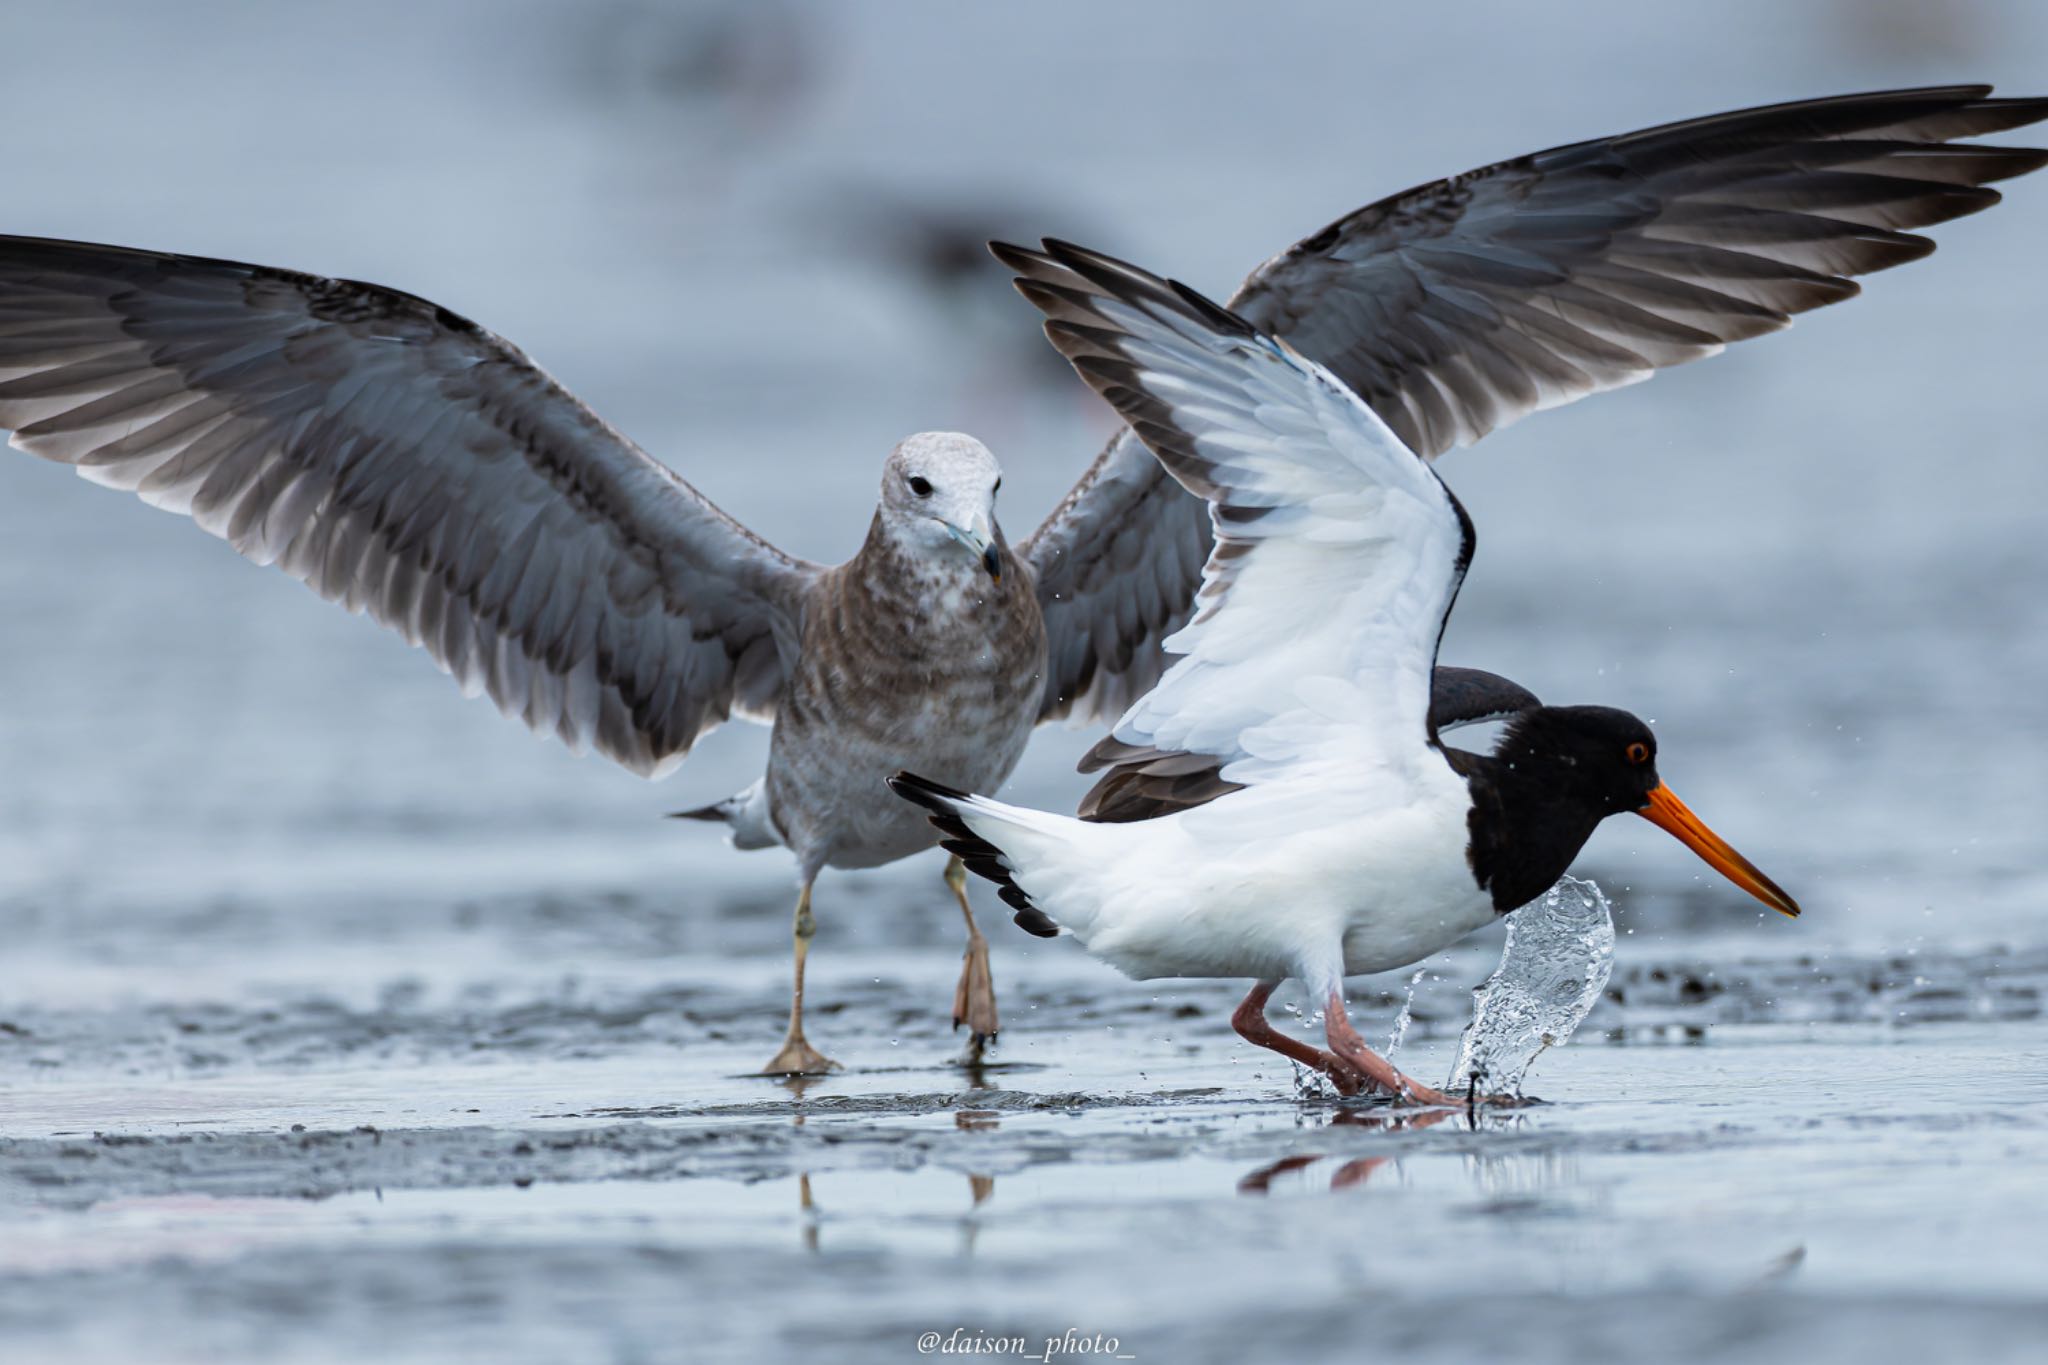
[748,233]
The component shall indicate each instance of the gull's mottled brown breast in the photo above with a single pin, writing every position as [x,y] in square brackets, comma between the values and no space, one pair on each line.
[908,662]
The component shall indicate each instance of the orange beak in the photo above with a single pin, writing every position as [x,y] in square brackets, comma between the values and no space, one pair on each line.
[1669,814]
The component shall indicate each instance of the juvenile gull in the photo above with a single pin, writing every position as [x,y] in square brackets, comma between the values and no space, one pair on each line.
[405,462]
[1345,838]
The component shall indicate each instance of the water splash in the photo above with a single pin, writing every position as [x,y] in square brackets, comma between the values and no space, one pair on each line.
[1559,952]
[1407,1015]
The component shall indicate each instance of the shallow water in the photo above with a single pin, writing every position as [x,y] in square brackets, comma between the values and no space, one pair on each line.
[338,1021]
[1840,1158]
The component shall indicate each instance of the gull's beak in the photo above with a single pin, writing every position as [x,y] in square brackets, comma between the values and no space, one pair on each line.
[1669,814]
[979,536]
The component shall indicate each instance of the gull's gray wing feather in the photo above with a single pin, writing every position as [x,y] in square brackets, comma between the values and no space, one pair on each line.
[403,461]
[1460,306]
[1117,565]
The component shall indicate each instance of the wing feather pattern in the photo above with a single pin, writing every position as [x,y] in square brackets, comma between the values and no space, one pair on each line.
[404,462]
[1338,551]
[1457,307]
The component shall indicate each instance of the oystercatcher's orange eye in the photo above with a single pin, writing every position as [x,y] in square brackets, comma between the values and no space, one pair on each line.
[1639,752]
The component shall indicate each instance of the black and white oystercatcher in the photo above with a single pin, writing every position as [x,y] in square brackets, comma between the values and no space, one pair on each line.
[1339,834]
[1425,321]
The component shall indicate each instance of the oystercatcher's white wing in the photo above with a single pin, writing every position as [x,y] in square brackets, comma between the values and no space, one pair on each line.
[401,460]
[1338,550]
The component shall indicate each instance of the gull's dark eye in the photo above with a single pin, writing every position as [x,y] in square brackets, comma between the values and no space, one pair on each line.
[920,486]
[999,485]
[1639,752]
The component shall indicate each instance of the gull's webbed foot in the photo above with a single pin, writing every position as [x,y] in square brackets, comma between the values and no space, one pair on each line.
[974,999]
[799,1058]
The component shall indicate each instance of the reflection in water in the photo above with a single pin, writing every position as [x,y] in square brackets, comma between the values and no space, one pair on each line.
[980,1188]
[810,1211]
[1353,1172]
[798,1087]
[1522,1180]
[982,1073]
[1260,1181]
[1502,1180]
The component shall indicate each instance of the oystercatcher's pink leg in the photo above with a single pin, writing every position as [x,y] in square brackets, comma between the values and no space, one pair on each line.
[1253,1026]
[1349,1047]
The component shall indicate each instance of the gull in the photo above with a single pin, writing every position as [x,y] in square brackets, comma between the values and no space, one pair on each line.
[1348,837]
[402,461]
[406,463]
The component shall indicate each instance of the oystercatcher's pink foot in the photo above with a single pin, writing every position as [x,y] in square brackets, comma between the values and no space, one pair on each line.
[1349,1047]
[1253,1026]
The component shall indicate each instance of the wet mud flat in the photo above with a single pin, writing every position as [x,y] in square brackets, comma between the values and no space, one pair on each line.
[1828,1158]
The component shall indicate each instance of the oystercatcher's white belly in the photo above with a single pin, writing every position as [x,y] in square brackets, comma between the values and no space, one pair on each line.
[1269,884]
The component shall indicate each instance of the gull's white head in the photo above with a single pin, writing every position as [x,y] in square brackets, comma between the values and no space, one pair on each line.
[939,493]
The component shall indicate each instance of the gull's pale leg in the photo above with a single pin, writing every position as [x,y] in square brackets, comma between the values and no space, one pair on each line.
[1253,1026]
[798,1057]
[1345,1042]
[974,999]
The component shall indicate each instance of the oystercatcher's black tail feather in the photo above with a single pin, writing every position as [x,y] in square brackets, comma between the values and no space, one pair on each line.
[981,857]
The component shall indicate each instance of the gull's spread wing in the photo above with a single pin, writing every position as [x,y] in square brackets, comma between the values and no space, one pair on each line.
[400,460]
[1460,306]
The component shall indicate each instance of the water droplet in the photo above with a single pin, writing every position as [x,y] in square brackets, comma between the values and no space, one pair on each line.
[1406,1016]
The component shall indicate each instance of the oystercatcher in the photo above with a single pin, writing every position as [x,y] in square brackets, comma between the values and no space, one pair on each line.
[1335,832]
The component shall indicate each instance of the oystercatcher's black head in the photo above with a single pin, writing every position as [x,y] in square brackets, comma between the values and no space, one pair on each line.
[1598,756]
[1556,774]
